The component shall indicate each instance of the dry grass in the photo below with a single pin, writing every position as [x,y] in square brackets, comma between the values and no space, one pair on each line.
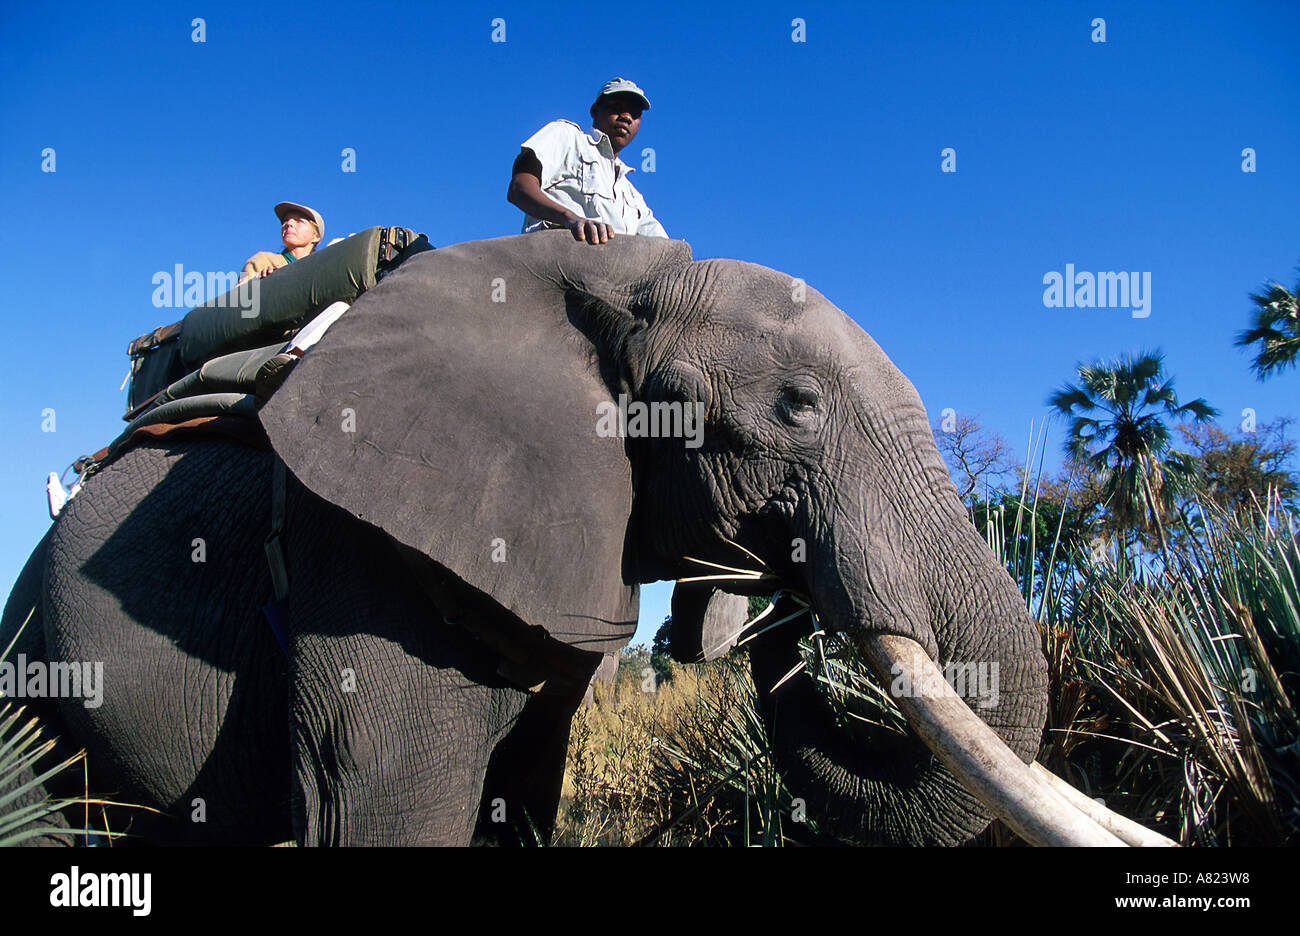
[686,764]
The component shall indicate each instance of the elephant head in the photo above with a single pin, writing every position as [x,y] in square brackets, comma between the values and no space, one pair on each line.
[463,406]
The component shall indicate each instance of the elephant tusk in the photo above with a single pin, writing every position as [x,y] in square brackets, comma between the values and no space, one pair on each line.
[1126,829]
[974,753]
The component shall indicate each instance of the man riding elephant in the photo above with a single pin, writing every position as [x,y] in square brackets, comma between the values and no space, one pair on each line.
[564,177]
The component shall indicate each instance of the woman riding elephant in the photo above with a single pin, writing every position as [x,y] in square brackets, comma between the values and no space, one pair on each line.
[301,229]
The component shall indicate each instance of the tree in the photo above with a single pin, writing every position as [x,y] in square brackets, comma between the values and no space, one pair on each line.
[1118,414]
[1276,328]
[1054,518]
[632,663]
[973,454]
[1238,470]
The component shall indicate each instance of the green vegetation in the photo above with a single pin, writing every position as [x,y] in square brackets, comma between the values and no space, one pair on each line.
[1173,694]
[1118,416]
[1275,328]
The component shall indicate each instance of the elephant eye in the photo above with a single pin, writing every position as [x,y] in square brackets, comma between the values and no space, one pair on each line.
[799,404]
[804,396]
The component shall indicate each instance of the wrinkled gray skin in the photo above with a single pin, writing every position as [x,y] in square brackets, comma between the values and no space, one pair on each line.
[474,430]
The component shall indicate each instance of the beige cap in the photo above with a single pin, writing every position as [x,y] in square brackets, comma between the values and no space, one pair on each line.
[286,206]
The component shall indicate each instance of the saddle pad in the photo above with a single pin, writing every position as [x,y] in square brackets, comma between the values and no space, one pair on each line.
[283,301]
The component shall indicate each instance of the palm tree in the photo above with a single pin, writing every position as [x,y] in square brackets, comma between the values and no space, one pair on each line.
[1276,329]
[1118,430]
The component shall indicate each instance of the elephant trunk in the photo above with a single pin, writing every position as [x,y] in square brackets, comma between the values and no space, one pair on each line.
[944,781]
[1041,807]
[894,790]
[890,790]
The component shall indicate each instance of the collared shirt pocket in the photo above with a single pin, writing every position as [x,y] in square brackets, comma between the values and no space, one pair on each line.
[592,181]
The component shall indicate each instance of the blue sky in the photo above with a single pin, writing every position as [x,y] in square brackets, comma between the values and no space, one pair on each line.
[819,158]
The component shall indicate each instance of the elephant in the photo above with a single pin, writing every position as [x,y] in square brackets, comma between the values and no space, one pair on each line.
[469,478]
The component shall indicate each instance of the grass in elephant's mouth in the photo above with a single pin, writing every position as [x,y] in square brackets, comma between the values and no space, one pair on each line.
[860,703]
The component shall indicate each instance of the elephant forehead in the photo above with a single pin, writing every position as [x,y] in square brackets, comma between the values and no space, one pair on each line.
[741,292]
[767,302]
[763,306]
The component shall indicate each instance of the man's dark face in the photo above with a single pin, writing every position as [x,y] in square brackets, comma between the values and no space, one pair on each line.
[618,116]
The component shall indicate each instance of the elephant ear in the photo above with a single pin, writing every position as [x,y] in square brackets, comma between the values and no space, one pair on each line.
[454,406]
[706,622]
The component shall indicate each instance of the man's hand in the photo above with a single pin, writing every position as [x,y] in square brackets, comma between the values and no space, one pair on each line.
[590,230]
[526,194]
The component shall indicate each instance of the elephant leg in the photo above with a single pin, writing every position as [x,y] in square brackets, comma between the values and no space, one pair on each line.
[393,713]
[522,790]
[390,746]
